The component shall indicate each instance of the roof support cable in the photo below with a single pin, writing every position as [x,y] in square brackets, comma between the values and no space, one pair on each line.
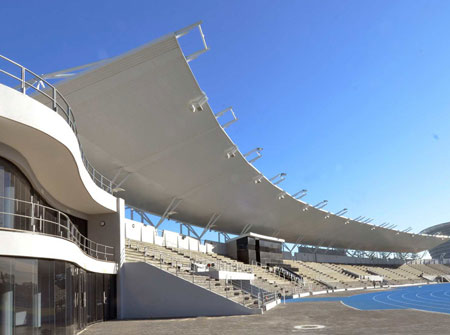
[227,124]
[142,213]
[257,152]
[300,194]
[246,229]
[170,210]
[278,178]
[191,230]
[211,223]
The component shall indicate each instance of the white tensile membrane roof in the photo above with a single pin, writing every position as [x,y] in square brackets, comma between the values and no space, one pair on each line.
[136,122]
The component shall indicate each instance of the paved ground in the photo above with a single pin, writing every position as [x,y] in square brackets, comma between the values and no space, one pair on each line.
[430,298]
[336,317]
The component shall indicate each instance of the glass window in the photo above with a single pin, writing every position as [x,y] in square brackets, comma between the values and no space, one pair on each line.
[99,294]
[25,296]
[48,297]
[6,296]
[46,275]
[60,297]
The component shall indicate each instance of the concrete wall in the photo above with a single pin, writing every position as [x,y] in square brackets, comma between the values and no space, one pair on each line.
[217,247]
[112,233]
[231,248]
[153,293]
[321,258]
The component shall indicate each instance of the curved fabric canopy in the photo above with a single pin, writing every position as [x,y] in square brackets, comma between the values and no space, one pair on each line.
[144,121]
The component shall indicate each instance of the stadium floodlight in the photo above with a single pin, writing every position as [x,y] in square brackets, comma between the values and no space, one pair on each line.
[367,220]
[384,224]
[357,218]
[300,194]
[392,226]
[321,204]
[257,152]
[278,178]
[341,212]
[407,230]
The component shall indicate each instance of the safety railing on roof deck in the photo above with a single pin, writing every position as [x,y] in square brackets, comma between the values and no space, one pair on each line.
[29,83]
[28,216]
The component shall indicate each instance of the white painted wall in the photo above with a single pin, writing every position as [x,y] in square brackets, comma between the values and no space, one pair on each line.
[133,229]
[148,234]
[51,149]
[138,231]
[33,245]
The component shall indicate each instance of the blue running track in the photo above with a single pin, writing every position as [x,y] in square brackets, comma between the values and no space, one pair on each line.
[431,298]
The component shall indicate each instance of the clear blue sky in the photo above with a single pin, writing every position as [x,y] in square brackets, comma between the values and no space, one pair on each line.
[349,98]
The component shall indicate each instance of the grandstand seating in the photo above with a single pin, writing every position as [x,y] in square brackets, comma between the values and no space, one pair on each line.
[265,276]
[327,275]
[181,261]
[181,266]
[314,276]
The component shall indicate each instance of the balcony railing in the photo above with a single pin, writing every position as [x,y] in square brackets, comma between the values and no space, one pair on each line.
[29,83]
[28,216]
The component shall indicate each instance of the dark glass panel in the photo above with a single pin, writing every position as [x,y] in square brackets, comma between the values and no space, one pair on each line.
[110,294]
[60,297]
[26,316]
[99,296]
[91,304]
[69,298]
[6,296]
[46,275]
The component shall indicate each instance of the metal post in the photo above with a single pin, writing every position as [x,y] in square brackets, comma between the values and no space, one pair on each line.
[54,98]
[22,83]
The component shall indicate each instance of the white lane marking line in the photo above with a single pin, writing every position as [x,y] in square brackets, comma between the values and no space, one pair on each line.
[417,305]
[343,303]
[421,302]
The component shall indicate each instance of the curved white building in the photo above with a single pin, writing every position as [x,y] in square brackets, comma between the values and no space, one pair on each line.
[144,132]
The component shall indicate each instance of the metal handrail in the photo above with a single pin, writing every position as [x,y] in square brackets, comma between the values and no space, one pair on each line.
[60,105]
[46,220]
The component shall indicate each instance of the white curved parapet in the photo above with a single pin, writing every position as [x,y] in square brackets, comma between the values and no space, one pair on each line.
[174,159]
[51,148]
[27,244]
